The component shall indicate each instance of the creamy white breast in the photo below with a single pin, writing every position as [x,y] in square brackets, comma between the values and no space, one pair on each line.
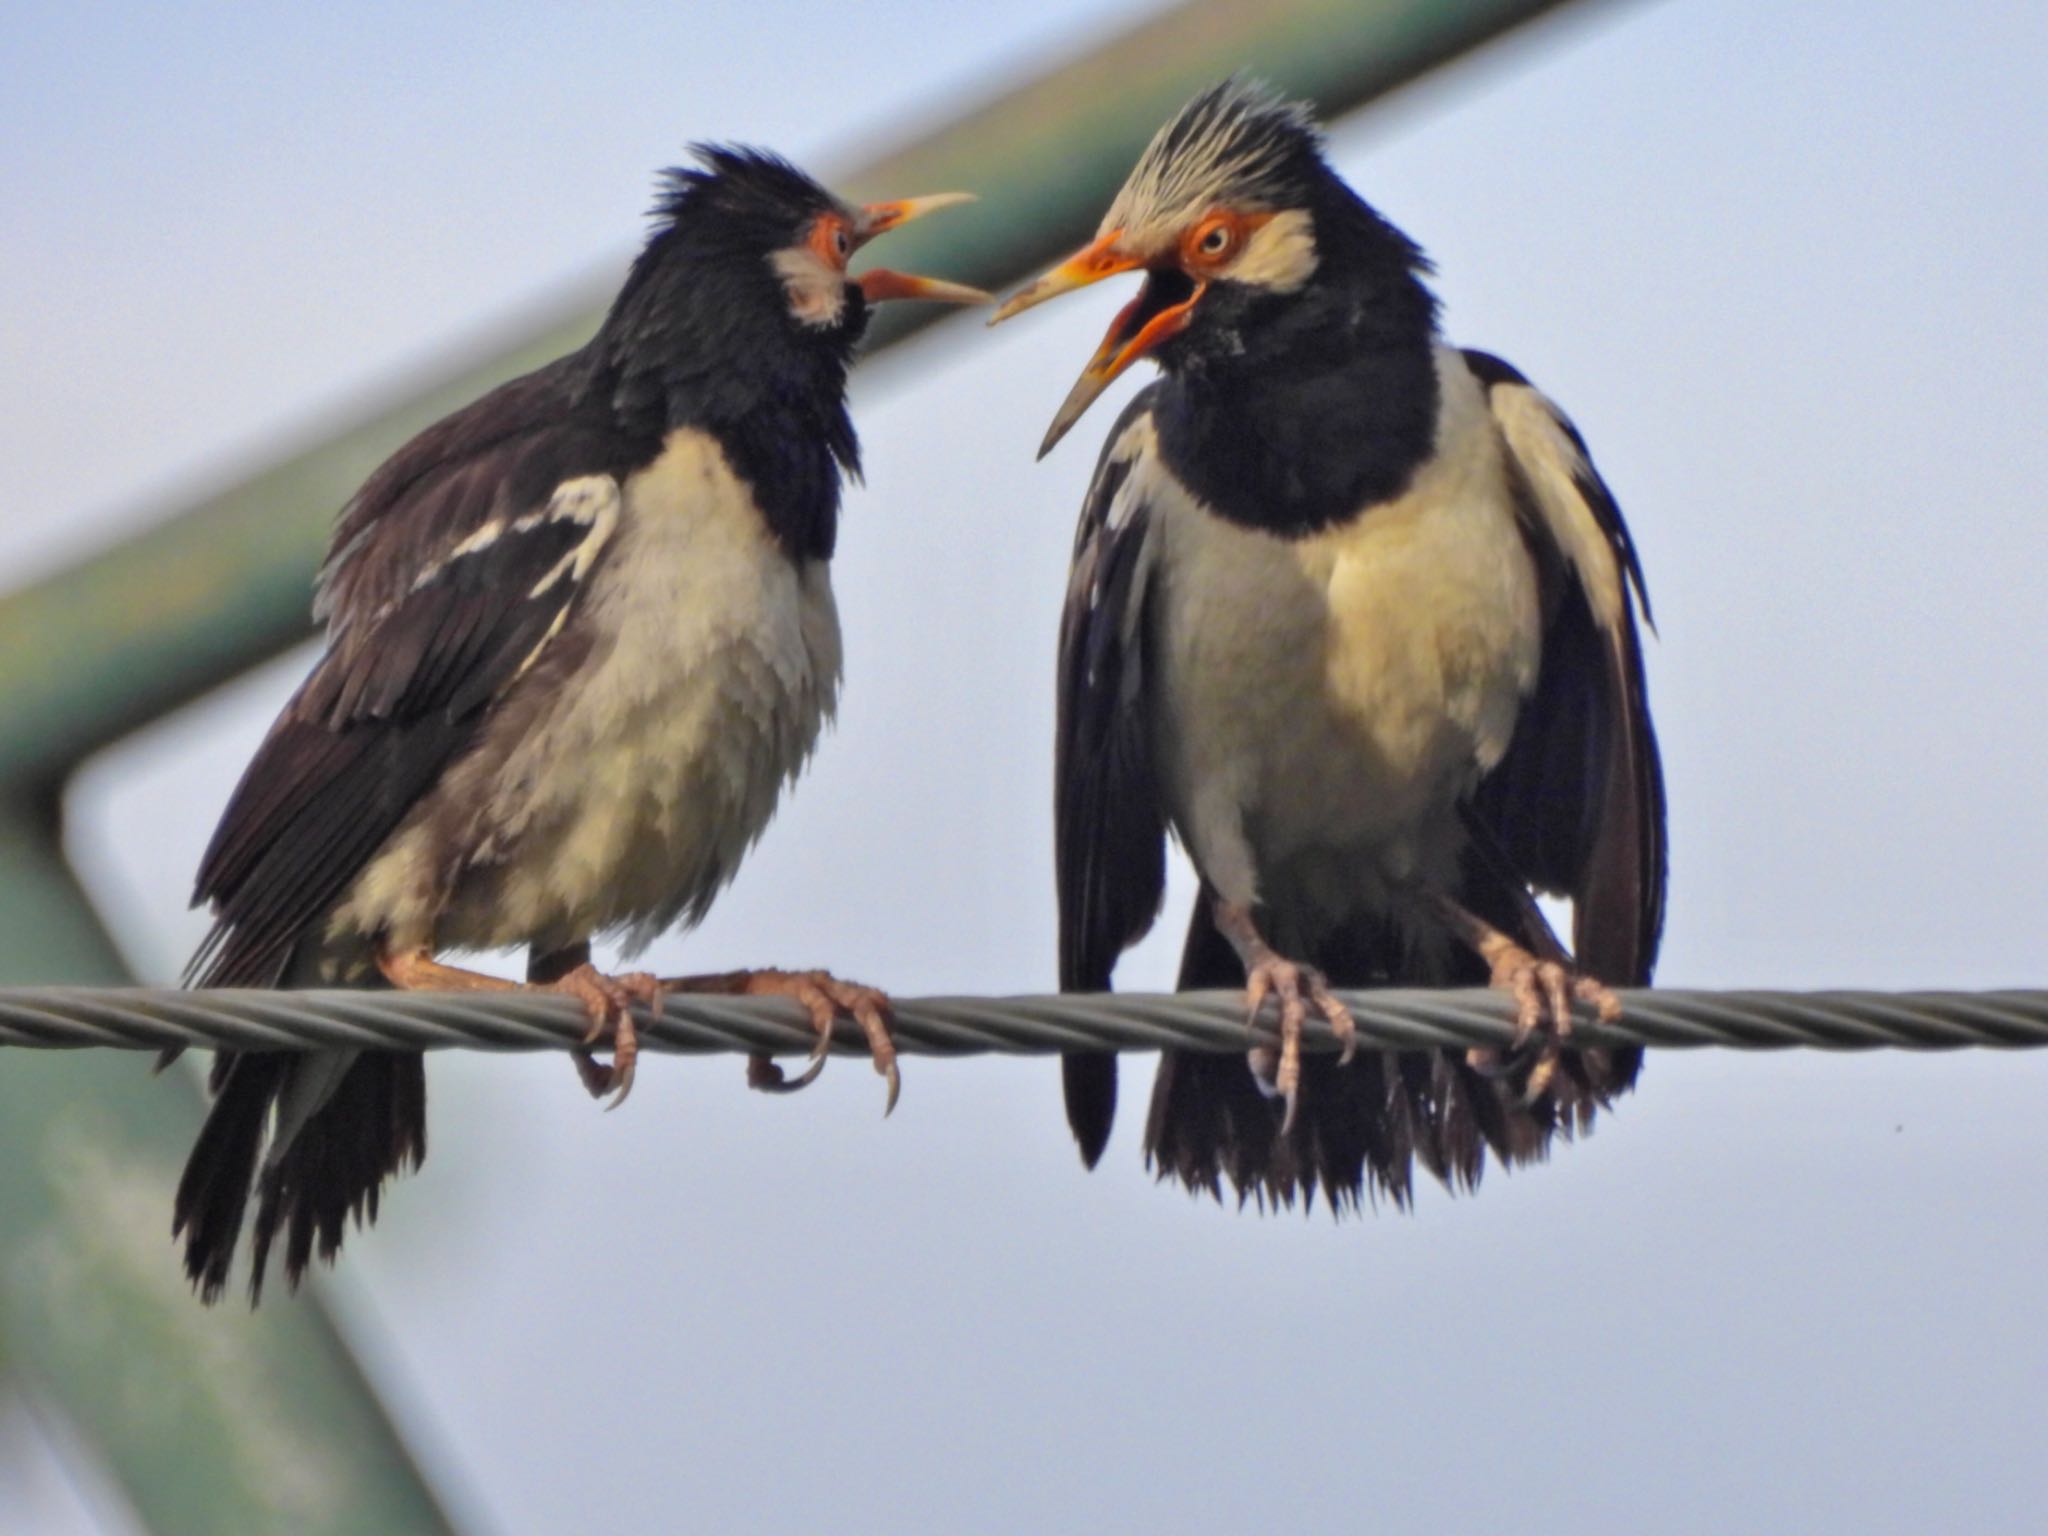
[631,799]
[1326,700]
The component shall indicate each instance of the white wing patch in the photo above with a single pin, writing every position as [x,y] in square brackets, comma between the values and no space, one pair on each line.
[592,500]
[1138,446]
[1553,466]
[481,540]
[1139,441]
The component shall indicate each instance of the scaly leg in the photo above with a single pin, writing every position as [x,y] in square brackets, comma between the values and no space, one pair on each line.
[607,999]
[1297,986]
[826,999]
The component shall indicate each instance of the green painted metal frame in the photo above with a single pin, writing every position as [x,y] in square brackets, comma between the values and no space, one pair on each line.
[223,1420]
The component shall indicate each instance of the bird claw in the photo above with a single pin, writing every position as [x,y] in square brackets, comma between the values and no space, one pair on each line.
[1595,992]
[765,1076]
[1298,988]
[609,1002]
[1543,991]
[826,999]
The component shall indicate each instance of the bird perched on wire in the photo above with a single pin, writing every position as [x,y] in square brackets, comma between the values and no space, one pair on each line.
[1352,614]
[580,634]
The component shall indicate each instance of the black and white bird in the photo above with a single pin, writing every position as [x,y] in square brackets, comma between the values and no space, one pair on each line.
[1352,616]
[580,635]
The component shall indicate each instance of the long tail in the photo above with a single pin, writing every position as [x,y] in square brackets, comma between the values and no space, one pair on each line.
[1359,1130]
[370,1124]
[313,1135]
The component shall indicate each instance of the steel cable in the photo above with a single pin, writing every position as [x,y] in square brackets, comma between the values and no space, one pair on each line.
[135,1018]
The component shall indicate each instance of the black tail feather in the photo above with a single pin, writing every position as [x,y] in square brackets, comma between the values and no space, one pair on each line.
[214,1191]
[373,1125]
[1089,1080]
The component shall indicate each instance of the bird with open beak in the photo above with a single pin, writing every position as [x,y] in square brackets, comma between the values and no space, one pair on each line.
[580,635]
[1353,616]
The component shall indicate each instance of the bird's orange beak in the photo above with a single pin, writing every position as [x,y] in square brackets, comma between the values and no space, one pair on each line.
[879,283]
[1162,308]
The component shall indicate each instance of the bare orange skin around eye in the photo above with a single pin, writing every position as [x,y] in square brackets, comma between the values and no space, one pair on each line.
[831,240]
[1238,228]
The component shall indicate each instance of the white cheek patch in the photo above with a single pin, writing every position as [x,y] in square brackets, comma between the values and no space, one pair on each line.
[1280,256]
[817,292]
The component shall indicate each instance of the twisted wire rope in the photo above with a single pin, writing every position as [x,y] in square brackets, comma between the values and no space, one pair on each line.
[137,1018]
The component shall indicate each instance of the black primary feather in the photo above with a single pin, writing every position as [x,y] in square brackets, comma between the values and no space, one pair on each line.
[1109,843]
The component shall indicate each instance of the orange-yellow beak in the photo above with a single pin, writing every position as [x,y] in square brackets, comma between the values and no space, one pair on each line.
[879,283]
[1162,308]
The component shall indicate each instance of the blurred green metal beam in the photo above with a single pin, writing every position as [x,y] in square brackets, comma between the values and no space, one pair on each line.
[218,1420]
[186,605]
[213,1420]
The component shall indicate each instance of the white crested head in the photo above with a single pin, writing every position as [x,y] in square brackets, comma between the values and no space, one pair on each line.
[1239,144]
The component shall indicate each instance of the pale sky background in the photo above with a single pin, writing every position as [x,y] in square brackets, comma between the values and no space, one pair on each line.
[1783,265]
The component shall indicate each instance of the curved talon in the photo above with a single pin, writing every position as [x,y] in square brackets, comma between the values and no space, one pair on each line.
[1342,1025]
[1298,987]
[766,1077]
[870,1010]
[609,1002]
[894,1081]
[1293,1012]
[826,999]
[1264,1062]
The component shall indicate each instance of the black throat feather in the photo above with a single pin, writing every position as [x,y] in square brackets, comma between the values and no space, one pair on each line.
[702,336]
[1293,412]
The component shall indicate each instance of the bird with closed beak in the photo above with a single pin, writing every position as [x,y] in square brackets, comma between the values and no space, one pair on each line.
[1352,615]
[579,636]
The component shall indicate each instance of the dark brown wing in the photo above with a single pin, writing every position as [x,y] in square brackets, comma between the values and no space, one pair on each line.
[1577,804]
[452,569]
[1109,826]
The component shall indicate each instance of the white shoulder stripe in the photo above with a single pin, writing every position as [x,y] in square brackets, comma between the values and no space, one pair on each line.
[475,544]
[594,501]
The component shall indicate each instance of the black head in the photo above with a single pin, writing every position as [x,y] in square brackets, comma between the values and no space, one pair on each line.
[1256,254]
[739,316]
[735,290]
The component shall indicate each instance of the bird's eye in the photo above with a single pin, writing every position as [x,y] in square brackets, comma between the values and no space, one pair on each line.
[841,241]
[1214,240]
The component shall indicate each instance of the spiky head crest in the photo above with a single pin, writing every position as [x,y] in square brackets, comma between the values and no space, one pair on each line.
[746,189]
[1239,143]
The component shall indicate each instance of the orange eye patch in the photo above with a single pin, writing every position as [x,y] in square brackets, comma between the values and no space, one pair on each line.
[831,240]
[1217,239]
